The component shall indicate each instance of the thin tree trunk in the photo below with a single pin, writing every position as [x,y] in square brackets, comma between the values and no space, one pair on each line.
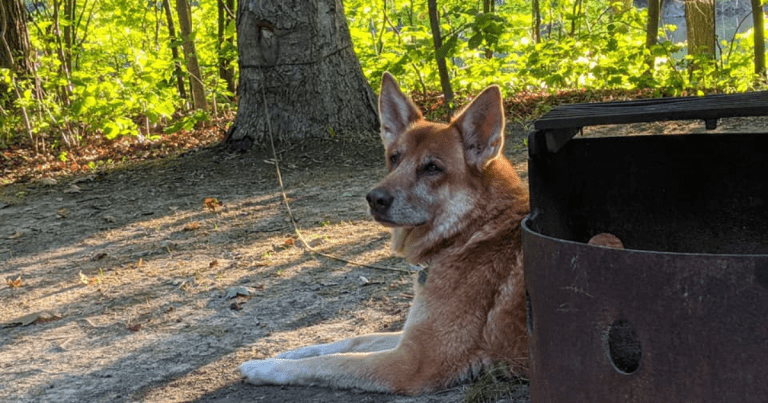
[175,50]
[69,31]
[576,12]
[536,22]
[652,27]
[65,90]
[759,39]
[488,7]
[224,43]
[190,54]
[299,76]
[442,68]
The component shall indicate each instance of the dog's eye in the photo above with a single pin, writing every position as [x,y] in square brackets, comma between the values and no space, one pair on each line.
[431,168]
[394,158]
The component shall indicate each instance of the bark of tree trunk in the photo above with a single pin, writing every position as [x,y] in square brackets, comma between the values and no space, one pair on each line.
[14,45]
[69,31]
[299,76]
[759,39]
[226,17]
[174,50]
[15,52]
[190,55]
[489,7]
[536,21]
[700,27]
[652,28]
[442,68]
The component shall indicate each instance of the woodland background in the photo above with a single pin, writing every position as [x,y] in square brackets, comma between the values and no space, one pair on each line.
[92,83]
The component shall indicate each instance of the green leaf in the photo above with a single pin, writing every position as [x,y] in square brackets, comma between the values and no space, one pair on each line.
[475,41]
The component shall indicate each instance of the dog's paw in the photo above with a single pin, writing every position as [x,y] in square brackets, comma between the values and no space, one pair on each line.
[264,372]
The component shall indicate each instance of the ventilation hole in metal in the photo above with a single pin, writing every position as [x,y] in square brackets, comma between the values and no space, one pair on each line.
[528,313]
[624,347]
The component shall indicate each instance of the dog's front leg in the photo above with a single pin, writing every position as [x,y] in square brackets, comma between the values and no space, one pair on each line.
[392,371]
[361,344]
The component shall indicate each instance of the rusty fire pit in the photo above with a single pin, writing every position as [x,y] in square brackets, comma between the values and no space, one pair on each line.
[681,314]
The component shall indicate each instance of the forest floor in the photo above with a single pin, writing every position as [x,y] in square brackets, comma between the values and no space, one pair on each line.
[153,281]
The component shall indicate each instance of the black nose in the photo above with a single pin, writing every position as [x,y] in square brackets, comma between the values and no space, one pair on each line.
[379,199]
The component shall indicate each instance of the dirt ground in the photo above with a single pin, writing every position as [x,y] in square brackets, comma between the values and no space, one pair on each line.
[132,289]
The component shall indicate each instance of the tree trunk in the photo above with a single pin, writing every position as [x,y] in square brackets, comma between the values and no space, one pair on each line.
[190,55]
[652,27]
[700,27]
[174,50]
[15,50]
[69,31]
[442,68]
[488,7]
[759,39]
[299,76]
[536,21]
[225,43]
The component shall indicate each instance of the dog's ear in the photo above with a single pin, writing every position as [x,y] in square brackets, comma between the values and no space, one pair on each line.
[482,128]
[396,111]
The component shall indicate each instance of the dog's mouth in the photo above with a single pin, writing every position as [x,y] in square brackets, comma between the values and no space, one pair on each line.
[387,222]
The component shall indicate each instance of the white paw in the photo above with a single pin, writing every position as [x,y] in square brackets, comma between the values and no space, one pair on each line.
[264,372]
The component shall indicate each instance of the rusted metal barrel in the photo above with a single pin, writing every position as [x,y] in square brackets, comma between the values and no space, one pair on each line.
[680,314]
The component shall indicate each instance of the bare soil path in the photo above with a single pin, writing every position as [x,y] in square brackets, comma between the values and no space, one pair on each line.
[132,289]
[129,283]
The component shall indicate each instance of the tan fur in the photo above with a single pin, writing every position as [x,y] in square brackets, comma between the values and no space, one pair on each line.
[461,218]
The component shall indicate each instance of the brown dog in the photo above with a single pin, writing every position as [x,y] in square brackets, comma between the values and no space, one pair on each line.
[454,204]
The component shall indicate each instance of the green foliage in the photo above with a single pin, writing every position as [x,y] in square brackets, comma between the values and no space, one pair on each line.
[117,78]
[584,45]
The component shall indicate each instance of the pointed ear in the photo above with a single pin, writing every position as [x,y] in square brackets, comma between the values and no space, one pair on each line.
[396,111]
[481,125]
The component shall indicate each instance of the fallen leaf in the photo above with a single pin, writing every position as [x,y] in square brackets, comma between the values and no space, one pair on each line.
[211,203]
[141,262]
[18,234]
[14,283]
[48,181]
[213,264]
[110,219]
[83,278]
[134,328]
[192,226]
[62,212]
[289,241]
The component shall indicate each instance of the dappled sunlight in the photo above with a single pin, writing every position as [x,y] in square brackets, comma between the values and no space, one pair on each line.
[146,284]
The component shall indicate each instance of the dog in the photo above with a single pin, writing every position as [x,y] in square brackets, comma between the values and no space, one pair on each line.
[454,204]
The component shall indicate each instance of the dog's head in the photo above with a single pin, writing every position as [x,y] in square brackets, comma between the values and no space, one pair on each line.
[436,171]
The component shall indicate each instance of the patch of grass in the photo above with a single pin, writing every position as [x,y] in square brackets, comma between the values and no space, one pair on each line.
[494,383]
